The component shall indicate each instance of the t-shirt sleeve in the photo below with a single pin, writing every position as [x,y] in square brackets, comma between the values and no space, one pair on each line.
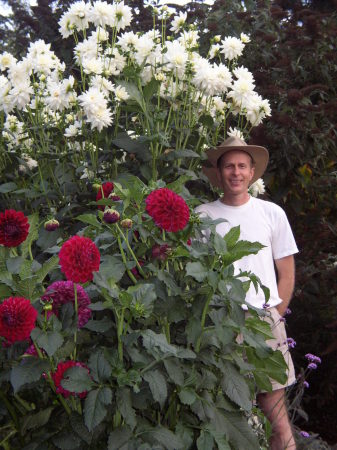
[283,241]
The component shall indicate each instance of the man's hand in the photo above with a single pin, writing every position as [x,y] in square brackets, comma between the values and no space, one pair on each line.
[285,268]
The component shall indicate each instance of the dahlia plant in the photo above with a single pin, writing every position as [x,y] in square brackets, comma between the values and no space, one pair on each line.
[127,336]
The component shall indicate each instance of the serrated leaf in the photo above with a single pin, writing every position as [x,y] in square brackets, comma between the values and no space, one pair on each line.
[196,270]
[14,264]
[36,420]
[111,267]
[123,397]
[66,441]
[46,268]
[157,385]
[29,370]
[174,370]
[91,219]
[232,237]
[94,407]
[187,396]
[241,249]
[220,244]
[166,437]
[76,379]
[259,326]
[50,341]
[100,369]
[33,234]
[205,441]
[169,281]
[7,187]
[235,386]
[152,339]
[239,433]
[145,295]
[119,437]
[77,424]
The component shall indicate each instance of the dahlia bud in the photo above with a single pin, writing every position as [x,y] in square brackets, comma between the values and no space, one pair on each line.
[51,225]
[48,307]
[126,223]
[161,252]
[111,216]
[114,197]
[96,187]
[217,38]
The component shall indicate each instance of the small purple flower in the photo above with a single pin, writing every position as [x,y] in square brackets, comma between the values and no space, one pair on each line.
[305,384]
[304,434]
[291,342]
[312,366]
[265,306]
[282,319]
[312,358]
[288,311]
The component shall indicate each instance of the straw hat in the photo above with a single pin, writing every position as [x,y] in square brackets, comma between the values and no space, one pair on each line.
[259,154]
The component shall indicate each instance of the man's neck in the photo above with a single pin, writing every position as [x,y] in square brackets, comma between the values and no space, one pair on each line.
[235,200]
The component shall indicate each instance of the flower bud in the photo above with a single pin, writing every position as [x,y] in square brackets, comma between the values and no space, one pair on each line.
[48,307]
[96,187]
[217,38]
[114,197]
[161,252]
[126,223]
[111,216]
[51,225]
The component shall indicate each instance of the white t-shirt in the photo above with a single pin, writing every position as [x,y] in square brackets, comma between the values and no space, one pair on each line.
[260,221]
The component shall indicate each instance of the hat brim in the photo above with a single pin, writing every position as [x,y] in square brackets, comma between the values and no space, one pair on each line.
[259,154]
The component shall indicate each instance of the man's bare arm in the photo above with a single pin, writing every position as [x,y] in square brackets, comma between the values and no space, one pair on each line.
[286,281]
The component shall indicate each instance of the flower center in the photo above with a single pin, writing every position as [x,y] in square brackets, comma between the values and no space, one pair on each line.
[11,229]
[8,319]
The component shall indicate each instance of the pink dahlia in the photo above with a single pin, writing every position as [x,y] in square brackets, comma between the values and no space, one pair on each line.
[14,228]
[79,258]
[58,376]
[62,292]
[17,319]
[168,210]
[104,192]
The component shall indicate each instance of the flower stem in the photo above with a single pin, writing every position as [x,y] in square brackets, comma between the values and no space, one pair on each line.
[131,251]
[133,278]
[203,320]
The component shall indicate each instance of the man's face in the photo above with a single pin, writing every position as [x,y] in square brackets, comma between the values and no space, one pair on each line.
[235,172]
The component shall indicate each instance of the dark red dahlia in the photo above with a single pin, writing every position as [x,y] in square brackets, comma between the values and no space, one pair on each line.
[79,258]
[58,376]
[17,319]
[104,192]
[168,210]
[14,228]
[111,215]
[62,292]
[161,252]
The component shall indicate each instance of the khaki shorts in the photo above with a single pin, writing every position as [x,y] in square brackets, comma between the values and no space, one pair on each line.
[280,343]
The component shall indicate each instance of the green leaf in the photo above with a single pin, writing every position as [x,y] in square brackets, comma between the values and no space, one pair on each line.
[100,369]
[150,89]
[143,295]
[259,326]
[46,268]
[187,396]
[239,433]
[124,404]
[241,249]
[76,379]
[196,270]
[94,407]
[165,437]
[205,441]
[28,371]
[168,279]
[33,234]
[77,424]
[232,237]
[100,326]
[7,187]
[235,386]
[220,244]
[111,267]
[157,385]
[66,441]
[36,420]
[152,339]
[91,219]
[274,366]
[14,264]
[174,370]
[133,92]
[119,437]
[262,381]
[50,341]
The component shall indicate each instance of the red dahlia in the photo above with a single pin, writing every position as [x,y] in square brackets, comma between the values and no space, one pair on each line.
[104,192]
[168,210]
[14,228]
[17,319]
[58,376]
[79,258]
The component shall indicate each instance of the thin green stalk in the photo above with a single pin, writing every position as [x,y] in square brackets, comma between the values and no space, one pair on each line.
[131,251]
[131,275]
[203,320]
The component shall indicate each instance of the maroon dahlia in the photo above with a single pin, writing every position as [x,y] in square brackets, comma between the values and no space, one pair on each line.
[14,228]
[168,210]
[17,319]
[79,258]
[58,376]
[62,292]
[104,192]
[160,252]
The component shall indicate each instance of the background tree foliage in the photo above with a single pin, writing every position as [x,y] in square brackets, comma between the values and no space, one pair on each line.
[292,56]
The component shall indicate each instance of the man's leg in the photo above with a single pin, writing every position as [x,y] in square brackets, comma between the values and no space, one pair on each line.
[274,408]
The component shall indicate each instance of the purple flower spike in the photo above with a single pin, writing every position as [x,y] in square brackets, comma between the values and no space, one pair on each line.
[288,311]
[304,434]
[312,366]
[312,358]
[305,384]
[291,342]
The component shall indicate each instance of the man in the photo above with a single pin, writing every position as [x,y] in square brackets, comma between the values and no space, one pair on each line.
[233,166]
